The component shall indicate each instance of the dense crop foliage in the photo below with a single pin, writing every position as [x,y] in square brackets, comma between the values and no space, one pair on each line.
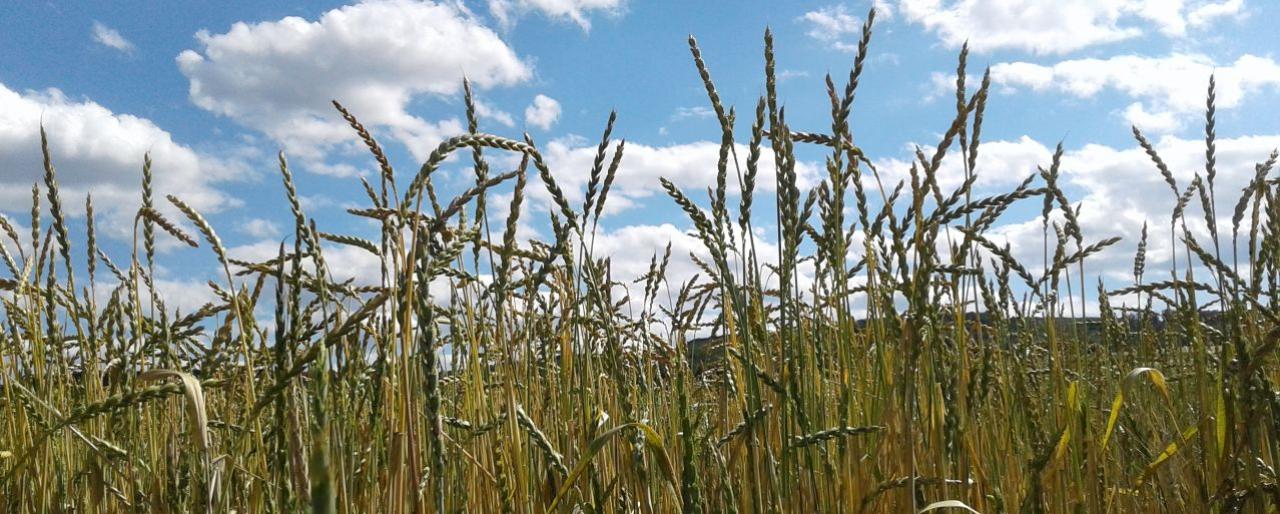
[889,356]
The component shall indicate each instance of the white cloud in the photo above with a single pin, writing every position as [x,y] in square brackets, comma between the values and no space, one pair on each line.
[486,111]
[376,57]
[1173,17]
[111,38]
[1167,90]
[99,151]
[1103,179]
[831,25]
[180,295]
[785,75]
[884,9]
[184,295]
[631,248]
[576,11]
[692,112]
[1205,14]
[1034,25]
[543,112]
[1053,27]
[1000,166]
[1155,122]
[344,262]
[690,166]
[260,228]
[943,85]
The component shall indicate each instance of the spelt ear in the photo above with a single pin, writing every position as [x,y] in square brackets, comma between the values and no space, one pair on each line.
[195,401]
[948,504]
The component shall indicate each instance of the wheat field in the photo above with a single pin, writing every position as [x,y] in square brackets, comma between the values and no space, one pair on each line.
[914,365]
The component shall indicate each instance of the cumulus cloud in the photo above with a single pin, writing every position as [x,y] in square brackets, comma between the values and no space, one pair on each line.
[1099,178]
[1167,90]
[1160,121]
[543,112]
[1000,166]
[631,248]
[1052,27]
[1209,12]
[699,112]
[345,262]
[1102,180]
[576,11]
[833,26]
[884,9]
[489,112]
[785,75]
[691,166]
[110,38]
[1173,17]
[99,151]
[180,295]
[260,228]
[377,57]
[183,295]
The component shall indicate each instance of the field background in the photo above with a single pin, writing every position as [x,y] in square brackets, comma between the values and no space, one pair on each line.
[877,350]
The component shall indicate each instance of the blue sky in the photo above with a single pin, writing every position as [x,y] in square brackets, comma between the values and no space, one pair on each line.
[214,91]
